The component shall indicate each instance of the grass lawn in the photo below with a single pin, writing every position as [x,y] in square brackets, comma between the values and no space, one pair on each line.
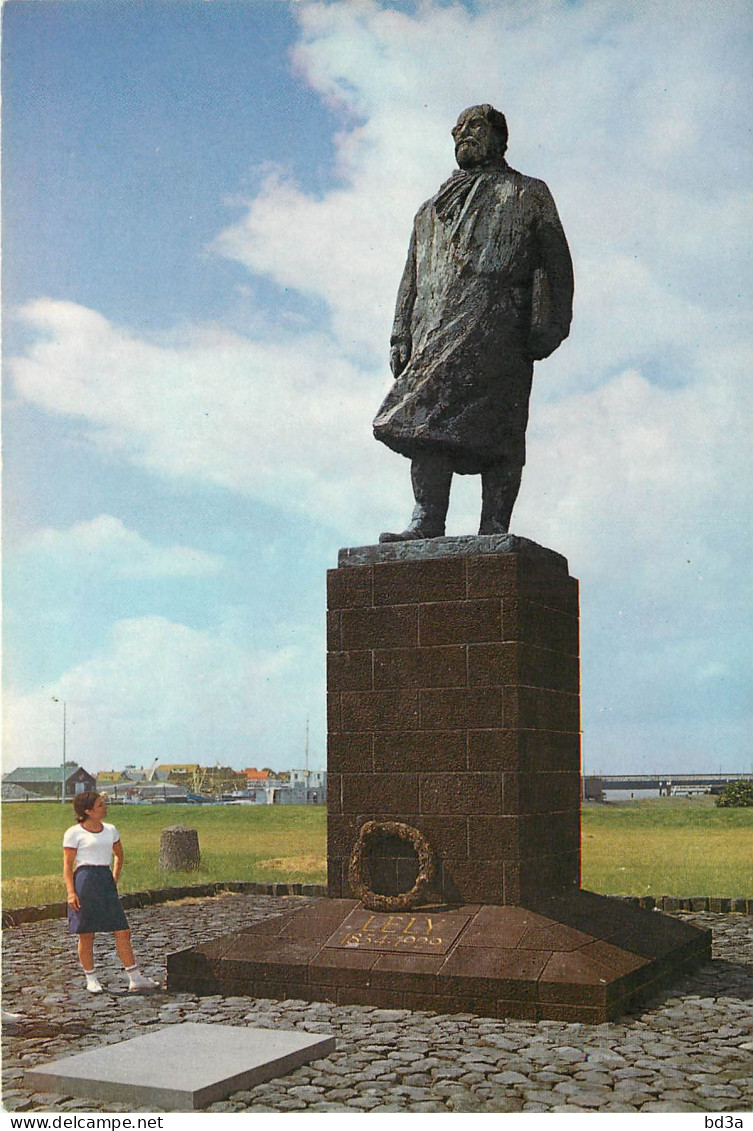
[268,843]
[667,846]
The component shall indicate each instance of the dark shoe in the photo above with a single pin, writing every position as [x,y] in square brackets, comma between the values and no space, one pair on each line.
[494,526]
[413,534]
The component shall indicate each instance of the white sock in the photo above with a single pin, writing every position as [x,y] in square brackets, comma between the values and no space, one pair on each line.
[93,984]
[136,978]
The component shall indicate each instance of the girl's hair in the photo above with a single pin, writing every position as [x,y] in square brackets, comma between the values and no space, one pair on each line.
[82,802]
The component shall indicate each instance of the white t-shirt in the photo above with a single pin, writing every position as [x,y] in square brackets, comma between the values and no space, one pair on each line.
[91,848]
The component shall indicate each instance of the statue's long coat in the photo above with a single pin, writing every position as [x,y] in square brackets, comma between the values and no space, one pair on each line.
[487,289]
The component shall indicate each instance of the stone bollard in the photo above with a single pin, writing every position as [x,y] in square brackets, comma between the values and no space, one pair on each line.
[179,849]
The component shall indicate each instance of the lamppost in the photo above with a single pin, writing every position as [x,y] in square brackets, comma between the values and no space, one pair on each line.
[65,708]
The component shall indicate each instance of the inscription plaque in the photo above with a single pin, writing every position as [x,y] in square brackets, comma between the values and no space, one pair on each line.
[414,932]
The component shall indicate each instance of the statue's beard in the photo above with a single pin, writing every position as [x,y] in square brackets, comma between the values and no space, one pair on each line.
[469,154]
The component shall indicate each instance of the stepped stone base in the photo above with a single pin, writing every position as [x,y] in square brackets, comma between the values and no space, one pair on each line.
[576,957]
[454,712]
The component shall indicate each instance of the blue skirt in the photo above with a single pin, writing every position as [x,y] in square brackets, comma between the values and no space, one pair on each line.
[101,909]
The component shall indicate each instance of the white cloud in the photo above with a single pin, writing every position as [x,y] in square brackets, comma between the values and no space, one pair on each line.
[284,421]
[104,546]
[161,689]
[635,115]
[653,517]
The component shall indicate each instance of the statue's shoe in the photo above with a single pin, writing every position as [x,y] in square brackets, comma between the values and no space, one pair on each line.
[412,534]
[494,528]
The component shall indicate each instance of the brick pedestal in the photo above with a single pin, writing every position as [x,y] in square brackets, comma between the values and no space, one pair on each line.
[453,686]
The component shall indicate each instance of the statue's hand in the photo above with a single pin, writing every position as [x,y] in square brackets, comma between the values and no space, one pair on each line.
[399,355]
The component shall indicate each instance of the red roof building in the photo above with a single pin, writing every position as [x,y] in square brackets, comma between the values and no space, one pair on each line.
[252,774]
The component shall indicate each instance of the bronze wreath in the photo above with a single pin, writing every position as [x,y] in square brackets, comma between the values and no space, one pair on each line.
[357,868]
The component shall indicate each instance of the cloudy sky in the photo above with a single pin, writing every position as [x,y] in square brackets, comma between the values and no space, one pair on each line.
[206,211]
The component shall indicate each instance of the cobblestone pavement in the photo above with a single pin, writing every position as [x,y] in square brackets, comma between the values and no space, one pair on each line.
[692,1051]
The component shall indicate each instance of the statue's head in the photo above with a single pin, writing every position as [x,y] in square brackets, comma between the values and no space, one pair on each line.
[480,136]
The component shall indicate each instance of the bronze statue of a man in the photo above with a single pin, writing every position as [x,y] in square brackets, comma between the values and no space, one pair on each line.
[487,290]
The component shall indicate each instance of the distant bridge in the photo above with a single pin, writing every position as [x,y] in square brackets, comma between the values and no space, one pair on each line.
[594,785]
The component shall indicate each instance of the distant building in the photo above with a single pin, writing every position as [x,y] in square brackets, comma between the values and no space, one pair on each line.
[194,778]
[261,795]
[315,779]
[175,781]
[134,773]
[13,792]
[157,791]
[189,776]
[157,773]
[47,781]
[309,787]
[116,784]
[253,775]
[593,789]
[106,778]
[292,788]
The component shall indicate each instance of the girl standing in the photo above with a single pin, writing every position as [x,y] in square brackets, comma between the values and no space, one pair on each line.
[93,903]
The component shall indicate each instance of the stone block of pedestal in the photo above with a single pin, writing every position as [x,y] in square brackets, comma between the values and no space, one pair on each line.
[453,684]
